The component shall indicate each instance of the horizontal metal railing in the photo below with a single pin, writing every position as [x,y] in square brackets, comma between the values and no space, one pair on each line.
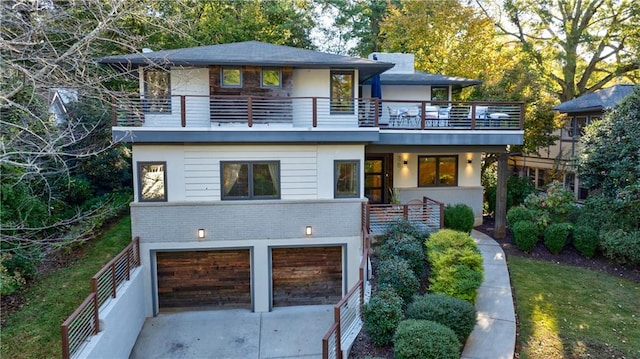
[427,215]
[84,321]
[347,313]
[249,111]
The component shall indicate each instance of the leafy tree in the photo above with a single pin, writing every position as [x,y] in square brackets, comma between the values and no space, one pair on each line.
[610,161]
[196,23]
[577,47]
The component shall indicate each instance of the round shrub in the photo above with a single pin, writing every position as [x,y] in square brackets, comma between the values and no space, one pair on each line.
[458,281]
[382,315]
[525,234]
[395,273]
[519,213]
[457,314]
[425,339]
[555,237]
[621,246]
[400,227]
[406,247]
[459,217]
[585,240]
[448,238]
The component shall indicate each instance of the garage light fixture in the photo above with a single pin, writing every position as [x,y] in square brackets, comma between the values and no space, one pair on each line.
[308,230]
[201,233]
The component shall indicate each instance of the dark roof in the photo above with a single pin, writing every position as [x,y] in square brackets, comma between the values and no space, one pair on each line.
[249,53]
[423,78]
[596,101]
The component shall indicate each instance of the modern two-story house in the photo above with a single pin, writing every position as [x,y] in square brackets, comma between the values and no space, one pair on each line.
[253,163]
[558,162]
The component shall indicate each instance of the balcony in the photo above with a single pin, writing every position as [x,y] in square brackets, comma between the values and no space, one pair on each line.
[224,112]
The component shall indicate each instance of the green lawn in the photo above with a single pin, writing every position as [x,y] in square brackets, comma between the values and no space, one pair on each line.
[34,331]
[569,312]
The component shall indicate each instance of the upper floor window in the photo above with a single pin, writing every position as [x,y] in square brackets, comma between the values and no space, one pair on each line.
[439,93]
[231,77]
[152,181]
[271,78]
[341,92]
[437,171]
[251,180]
[347,179]
[157,91]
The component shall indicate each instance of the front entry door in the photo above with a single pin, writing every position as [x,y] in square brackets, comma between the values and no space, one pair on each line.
[378,177]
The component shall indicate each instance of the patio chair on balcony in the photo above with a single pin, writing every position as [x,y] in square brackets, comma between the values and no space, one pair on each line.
[395,115]
[411,117]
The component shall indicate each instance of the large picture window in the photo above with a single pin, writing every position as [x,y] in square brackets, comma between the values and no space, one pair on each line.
[231,77]
[157,91]
[342,92]
[250,180]
[152,181]
[437,171]
[347,179]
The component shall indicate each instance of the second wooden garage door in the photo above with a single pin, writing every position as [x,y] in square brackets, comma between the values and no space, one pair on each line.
[218,279]
[306,276]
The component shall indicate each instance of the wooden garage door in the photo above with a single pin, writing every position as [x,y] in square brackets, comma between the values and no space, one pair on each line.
[204,279]
[306,276]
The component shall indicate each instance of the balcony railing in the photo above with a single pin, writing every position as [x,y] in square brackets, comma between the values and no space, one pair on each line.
[250,111]
[427,216]
[84,322]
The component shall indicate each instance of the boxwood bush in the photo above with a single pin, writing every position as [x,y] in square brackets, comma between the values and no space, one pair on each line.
[585,240]
[404,246]
[400,227]
[382,315]
[519,213]
[425,339]
[621,246]
[525,234]
[459,217]
[455,264]
[556,236]
[457,314]
[395,273]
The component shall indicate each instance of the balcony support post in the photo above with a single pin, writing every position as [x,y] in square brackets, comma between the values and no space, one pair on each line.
[314,105]
[183,115]
[500,231]
[249,112]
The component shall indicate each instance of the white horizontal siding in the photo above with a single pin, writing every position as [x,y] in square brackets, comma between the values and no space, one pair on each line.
[298,174]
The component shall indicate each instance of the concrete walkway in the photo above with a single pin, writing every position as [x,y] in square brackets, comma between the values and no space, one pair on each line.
[494,335]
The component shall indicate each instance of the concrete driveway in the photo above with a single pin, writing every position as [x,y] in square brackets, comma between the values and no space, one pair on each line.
[291,332]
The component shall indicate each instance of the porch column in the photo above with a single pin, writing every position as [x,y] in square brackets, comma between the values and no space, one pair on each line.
[500,230]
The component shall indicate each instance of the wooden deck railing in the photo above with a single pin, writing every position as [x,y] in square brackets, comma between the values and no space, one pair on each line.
[249,111]
[84,321]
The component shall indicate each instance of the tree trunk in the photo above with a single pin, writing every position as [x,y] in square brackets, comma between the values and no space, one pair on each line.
[500,231]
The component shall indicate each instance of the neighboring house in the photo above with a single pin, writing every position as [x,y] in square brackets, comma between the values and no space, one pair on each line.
[58,99]
[252,163]
[558,162]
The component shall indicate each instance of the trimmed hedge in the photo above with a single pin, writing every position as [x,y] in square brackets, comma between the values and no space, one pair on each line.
[425,339]
[400,227]
[407,247]
[585,240]
[519,213]
[382,315]
[455,264]
[556,236]
[459,217]
[396,273]
[525,234]
[457,314]
[621,246]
